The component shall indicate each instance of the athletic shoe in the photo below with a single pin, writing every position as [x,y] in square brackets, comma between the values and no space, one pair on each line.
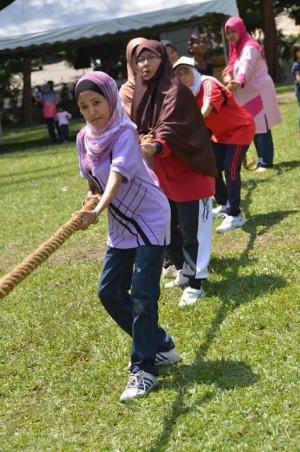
[164,358]
[169,272]
[139,384]
[219,211]
[230,223]
[260,169]
[180,280]
[167,358]
[191,296]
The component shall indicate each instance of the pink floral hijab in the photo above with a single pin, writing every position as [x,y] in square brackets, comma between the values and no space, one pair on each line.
[245,39]
[94,142]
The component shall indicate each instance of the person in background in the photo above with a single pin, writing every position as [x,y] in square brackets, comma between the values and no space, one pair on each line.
[120,80]
[197,47]
[296,75]
[176,142]
[51,85]
[127,89]
[64,92]
[171,51]
[49,101]
[232,130]
[246,75]
[63,118]
[138,227]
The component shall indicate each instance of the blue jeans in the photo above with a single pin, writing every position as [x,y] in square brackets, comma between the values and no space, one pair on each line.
[64,132]
[51,129]
[265,148]
[137,270]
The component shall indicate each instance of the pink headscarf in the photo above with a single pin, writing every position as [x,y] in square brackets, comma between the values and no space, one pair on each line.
[95,142]
[127,89]
[245,39]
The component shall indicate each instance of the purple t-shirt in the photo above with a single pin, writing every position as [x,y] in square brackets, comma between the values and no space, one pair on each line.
[140,213]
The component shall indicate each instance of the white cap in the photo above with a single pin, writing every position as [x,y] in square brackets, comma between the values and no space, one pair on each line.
[184,61]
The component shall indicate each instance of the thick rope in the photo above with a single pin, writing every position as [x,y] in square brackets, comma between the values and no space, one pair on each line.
[18,273]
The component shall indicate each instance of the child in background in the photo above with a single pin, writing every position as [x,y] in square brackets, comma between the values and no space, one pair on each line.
[63,118]
[296,75]
[138,226]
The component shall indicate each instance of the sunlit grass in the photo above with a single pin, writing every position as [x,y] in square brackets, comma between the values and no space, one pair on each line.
[63,361]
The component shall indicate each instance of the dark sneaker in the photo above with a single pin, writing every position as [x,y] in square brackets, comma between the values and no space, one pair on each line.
[139,384]
[167,358]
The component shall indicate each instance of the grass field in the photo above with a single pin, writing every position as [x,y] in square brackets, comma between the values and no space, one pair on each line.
[63,361]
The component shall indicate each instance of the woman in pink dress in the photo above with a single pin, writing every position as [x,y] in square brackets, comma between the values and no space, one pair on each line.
[247,76]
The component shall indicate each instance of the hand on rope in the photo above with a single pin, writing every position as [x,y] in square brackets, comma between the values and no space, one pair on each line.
[88,217]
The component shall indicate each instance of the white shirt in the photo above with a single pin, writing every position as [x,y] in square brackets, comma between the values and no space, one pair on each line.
[63,117]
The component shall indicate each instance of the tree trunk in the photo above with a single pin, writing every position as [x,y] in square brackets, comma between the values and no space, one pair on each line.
[27,94]
[270,43]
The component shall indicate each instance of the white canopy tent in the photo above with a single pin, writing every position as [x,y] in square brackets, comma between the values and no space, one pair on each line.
[28,23]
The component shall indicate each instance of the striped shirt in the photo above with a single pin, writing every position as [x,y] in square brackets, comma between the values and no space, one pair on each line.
[139,214]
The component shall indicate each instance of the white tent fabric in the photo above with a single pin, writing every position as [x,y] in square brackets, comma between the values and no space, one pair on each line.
[26,23]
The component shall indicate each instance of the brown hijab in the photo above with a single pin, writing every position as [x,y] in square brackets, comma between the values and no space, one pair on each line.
[126,90]
[167,109]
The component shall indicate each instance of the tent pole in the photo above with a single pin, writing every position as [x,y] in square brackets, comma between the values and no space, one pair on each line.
[224,44]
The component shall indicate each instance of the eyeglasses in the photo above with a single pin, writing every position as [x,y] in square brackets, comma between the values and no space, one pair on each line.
[150,59]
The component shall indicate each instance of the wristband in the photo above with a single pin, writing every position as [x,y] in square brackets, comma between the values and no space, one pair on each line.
[158,147]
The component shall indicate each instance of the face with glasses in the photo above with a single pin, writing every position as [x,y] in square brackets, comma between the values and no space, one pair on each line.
[148,64]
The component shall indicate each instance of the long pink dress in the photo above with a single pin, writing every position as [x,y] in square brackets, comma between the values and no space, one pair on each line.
[258,93]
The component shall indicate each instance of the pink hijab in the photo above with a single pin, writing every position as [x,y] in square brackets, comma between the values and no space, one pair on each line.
[97,143]
[127,89]
[245,39]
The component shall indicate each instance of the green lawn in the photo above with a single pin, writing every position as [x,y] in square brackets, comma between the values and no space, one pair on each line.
[63,361]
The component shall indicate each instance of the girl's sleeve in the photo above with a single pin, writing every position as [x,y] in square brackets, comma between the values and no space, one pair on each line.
[125,154]
[212,94]
[247,62]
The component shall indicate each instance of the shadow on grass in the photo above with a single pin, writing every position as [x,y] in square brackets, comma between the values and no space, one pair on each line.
[30,176]
[267,220]
[222,374]
[33,144]
[277,170]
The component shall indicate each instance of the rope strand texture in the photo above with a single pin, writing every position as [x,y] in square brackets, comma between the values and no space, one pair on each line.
[22,270]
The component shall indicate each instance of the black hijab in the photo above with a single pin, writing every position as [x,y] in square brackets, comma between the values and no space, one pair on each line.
[168,109]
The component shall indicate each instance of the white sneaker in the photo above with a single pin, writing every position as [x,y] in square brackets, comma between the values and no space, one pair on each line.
[139,384]
[219,211]
[230,223]
[180,280]
[191,296]
[169,272]
[167,358]
[260,169]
